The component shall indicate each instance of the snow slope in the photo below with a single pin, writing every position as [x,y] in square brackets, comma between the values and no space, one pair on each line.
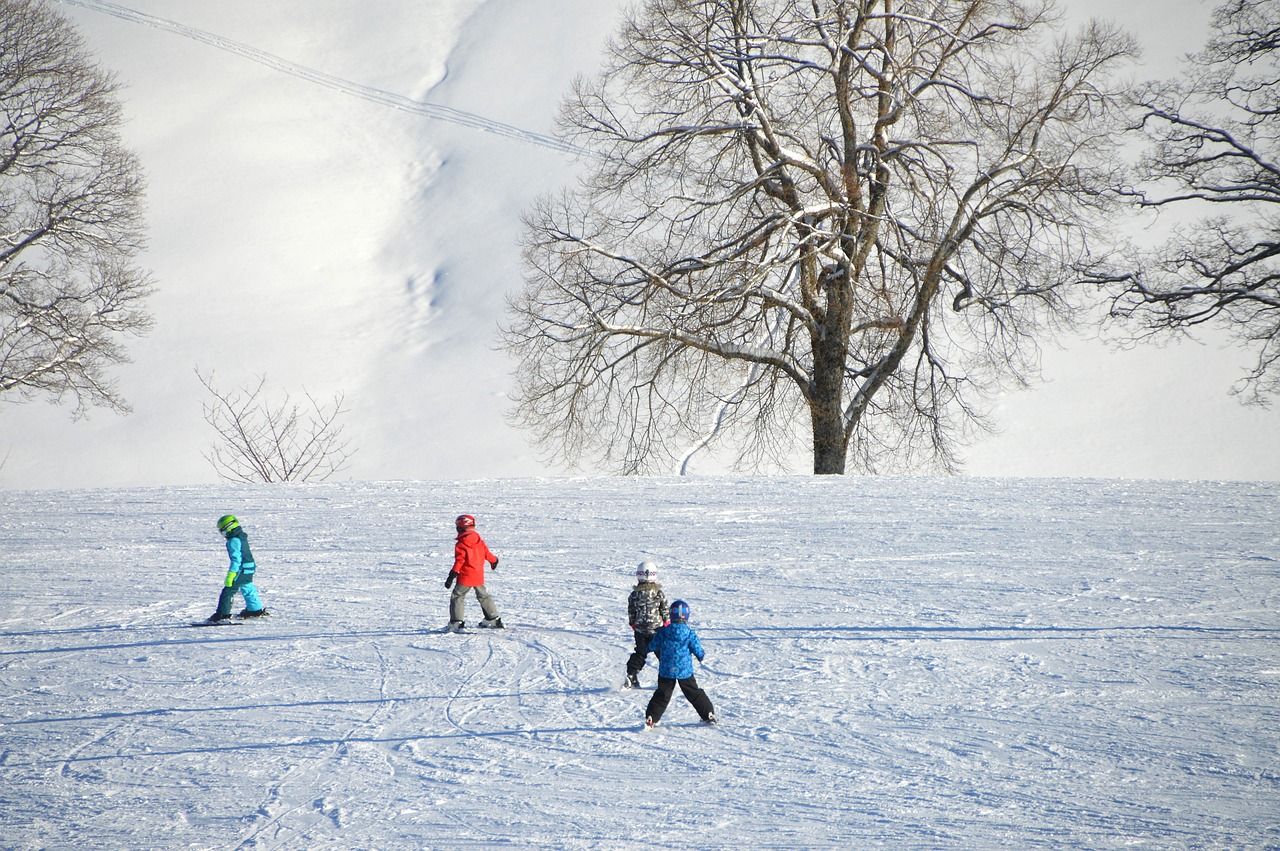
[335,242]
[898,662]
[331,241]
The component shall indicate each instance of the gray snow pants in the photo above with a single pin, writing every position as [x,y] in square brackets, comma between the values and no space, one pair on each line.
[458,600]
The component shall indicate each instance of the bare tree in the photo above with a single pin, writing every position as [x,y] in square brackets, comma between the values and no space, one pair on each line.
[846,218]
[71,222]
[1215,146]
[261,441]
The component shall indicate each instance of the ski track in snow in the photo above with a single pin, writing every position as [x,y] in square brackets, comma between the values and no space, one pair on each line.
[897,662]
[337,84]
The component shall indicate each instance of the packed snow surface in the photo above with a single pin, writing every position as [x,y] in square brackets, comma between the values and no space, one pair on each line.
[897,662]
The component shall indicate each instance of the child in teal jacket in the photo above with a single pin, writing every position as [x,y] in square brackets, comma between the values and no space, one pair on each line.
[240,573]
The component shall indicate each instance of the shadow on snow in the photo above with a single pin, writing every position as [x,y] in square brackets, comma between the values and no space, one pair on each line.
[352,740]
[756,633]
[372,701]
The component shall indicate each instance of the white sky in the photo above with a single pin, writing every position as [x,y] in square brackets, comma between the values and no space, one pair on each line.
[340,245]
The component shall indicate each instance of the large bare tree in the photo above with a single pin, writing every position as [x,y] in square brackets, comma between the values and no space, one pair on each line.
[71,219]
[840,220]
[1216,154]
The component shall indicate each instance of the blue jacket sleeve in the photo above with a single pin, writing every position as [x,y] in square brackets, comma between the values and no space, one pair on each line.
[233,551]
[695,645]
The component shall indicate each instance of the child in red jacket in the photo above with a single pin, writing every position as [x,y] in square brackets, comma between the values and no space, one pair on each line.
[469,556]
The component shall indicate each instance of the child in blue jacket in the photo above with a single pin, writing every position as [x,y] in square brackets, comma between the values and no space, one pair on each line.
[674,645]
[240,573]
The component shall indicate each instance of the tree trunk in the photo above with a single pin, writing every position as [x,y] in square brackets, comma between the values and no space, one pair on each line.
[826,409]
[829,446]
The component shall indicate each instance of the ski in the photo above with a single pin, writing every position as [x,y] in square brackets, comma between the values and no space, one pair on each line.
[468,630]
[645,726]
[234,619]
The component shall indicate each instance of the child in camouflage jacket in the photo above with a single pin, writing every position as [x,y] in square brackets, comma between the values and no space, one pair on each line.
[647,613]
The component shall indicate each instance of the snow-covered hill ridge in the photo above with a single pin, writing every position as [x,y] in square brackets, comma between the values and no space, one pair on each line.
[898,662]
[306,227]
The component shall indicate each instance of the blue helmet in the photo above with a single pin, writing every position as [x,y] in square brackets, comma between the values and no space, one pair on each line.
[679,611]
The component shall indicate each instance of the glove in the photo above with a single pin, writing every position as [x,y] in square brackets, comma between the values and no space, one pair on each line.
[230,580]
[494,566]
[448,580]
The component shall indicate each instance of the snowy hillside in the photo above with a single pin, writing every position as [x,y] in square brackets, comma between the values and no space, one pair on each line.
[899,663]
[307,226]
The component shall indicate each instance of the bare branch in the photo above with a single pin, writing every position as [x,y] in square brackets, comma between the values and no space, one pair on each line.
[263,442]
[70,216]
[1215,149]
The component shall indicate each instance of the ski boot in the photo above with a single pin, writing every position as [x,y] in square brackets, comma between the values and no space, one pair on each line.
[495,623]
[218,616]
[649,723]
[711,719]
[633,681]
[456,626]
[256,613]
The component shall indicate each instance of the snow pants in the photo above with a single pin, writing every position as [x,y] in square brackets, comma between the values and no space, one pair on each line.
[635,662]
[245,587]
[693,694]
[458,601]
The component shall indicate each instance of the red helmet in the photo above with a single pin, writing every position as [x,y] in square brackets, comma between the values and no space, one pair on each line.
[465,521]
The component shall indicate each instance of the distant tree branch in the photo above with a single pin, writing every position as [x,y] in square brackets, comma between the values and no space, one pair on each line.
[260,441]
[71,216]
[1215,147]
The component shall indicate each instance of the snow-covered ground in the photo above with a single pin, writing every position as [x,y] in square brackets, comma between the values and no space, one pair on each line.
[898,662]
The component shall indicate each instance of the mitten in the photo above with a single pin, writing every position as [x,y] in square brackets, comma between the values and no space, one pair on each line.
[448,580]
[494,566]
[231,579]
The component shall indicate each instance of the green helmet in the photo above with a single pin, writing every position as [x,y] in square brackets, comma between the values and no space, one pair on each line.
[228,523]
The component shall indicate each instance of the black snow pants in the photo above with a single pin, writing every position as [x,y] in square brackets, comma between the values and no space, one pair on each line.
[635,662]
[693,694]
